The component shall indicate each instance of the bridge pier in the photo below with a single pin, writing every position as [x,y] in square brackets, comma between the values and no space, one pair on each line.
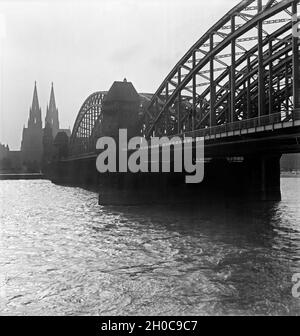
[75,173]
[262,177]
[254,178]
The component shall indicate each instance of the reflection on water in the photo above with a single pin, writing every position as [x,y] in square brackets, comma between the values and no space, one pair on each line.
[61,253]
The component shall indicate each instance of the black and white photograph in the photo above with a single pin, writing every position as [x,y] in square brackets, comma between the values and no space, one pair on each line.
[149,160]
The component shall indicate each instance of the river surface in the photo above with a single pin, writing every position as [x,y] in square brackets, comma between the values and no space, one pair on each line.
[63,254]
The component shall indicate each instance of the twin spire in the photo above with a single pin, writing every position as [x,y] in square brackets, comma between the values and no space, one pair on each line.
[35,100]
[51,114]
[35,115]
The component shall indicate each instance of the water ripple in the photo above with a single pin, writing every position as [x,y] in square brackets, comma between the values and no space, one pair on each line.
[62,254]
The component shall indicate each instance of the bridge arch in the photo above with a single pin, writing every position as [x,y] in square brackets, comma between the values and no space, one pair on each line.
[81,140]
[86,129]
[245,67]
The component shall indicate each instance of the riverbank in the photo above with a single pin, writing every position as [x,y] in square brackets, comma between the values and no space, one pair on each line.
[290,174]
[12,176]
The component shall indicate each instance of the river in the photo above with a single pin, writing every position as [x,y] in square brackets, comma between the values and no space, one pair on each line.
[63,254]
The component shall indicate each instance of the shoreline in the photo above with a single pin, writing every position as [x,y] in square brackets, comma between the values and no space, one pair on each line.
[290,174]
[22,176]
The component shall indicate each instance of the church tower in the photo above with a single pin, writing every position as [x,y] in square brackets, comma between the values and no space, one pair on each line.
[31,146]
[52,114]
[35,114]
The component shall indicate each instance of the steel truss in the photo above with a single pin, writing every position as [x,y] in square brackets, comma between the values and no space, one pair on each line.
[246,66]
[86,130]
[244,70]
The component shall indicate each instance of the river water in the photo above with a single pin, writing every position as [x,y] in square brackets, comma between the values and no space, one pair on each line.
[62,254]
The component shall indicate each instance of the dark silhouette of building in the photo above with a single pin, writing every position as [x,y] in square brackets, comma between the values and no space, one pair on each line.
[31,146]
[52,131]
[52,114]
[48,149]
[37,142]
[52,119]
[61,146]
[121,108]
[10,161]
[4,149]
[4,159]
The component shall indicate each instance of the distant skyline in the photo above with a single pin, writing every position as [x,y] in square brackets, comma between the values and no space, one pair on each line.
[84,46]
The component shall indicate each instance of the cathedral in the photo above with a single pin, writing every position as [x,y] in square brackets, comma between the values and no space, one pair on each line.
[37,142]
[51,119]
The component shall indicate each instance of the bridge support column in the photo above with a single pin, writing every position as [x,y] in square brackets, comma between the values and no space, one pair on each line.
[262,178]
[75,173]
[296,59]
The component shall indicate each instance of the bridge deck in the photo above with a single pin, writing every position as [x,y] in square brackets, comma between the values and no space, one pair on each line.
[271,124]
[261,124]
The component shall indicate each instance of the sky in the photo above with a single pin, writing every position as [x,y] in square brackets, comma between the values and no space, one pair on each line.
[84,46]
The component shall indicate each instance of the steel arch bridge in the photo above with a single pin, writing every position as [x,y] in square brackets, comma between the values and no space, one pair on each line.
[246,67]
[243,72]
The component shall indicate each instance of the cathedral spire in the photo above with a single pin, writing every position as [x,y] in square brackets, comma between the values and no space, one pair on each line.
[52,113]
[35,114]
[52,98]
[35,99]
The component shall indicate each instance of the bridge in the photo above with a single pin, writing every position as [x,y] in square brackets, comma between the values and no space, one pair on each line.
[238,87]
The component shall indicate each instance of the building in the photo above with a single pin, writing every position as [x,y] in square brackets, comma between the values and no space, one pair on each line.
[4,149]
[37,142]
[10,161]
[121,107]
[52,119]
[31,146]
[52,130]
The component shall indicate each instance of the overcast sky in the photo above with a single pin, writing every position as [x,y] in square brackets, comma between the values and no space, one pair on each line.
[83,46]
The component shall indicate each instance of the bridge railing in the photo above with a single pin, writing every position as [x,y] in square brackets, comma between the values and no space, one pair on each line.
[240,125]
[87,146]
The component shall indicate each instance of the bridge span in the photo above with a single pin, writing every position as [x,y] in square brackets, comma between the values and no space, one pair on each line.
[238,87]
